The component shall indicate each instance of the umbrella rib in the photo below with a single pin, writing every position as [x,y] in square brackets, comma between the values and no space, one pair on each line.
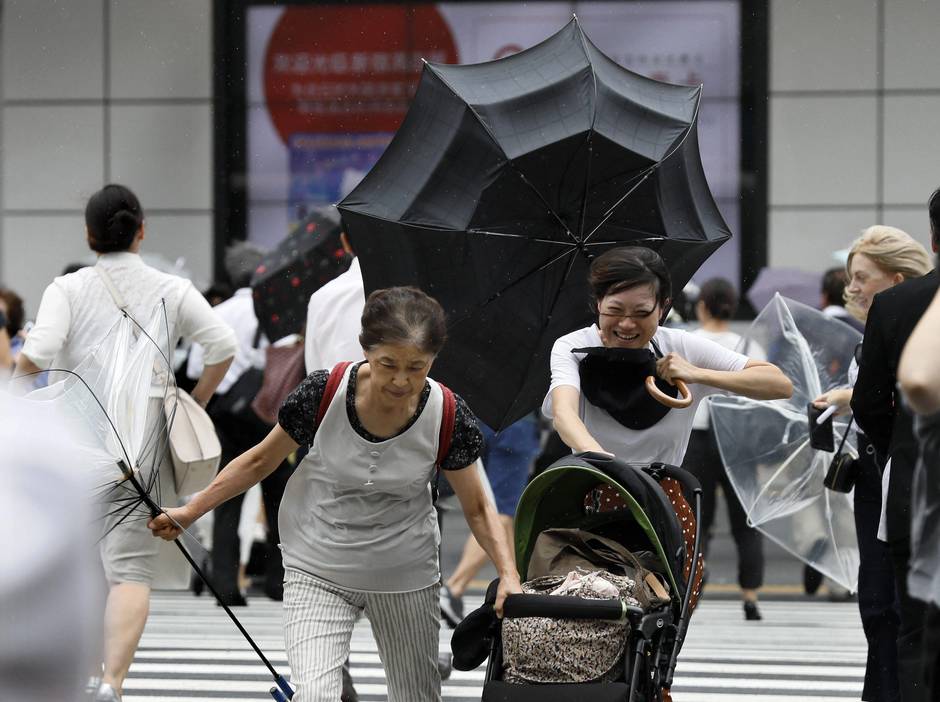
[649,171]
[642,178]
[649,238]
[512,164]
[515,282]
[520,236]
[590,134]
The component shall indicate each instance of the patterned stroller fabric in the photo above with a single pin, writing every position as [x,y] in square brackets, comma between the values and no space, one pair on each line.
[542,650]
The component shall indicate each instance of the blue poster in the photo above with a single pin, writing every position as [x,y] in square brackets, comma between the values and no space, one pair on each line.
[324,168]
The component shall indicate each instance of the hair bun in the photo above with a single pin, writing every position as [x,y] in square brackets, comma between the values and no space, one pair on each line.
[121,225]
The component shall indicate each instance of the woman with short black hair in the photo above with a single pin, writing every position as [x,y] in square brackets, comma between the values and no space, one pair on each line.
[631,290]
[358,527]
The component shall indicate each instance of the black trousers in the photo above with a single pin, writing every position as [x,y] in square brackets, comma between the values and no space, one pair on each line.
[703,460]
[932,652]
[877,599]
[236,436]
[911,630]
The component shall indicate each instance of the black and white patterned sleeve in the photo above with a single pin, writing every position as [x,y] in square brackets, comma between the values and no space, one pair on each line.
[298,414]
[466,446]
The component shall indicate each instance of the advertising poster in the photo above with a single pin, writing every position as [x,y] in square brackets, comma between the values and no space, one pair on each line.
[328,86]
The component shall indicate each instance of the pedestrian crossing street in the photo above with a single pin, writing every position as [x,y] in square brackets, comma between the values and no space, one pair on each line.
[800,651]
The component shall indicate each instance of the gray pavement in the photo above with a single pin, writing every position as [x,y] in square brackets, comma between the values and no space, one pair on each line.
[801,651]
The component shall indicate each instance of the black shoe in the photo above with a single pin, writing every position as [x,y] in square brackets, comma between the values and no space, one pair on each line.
[349,693]
[275,593]
[445,665]
[451,607]
[751,612]
[233,601]
[812,579]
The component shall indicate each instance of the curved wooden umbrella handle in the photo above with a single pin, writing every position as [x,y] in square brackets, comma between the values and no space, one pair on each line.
[681,402]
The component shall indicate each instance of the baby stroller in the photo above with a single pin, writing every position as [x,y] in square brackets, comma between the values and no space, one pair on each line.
[647,520]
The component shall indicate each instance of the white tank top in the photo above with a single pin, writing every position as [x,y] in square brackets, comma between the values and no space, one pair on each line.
[358,513]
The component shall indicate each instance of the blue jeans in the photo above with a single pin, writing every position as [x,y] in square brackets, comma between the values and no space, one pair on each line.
[507,458]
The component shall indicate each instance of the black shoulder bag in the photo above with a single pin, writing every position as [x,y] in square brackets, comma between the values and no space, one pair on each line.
[843,470]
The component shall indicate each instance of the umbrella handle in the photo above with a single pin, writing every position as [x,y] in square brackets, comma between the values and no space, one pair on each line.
[681,402]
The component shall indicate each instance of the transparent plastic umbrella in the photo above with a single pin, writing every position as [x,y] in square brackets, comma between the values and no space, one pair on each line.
[765,445]
[104,404]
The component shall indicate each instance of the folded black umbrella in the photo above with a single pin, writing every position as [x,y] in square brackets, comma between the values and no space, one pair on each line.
[473,637]
[505,179]
[308,258]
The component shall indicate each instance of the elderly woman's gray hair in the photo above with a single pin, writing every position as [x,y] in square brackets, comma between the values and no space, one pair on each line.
[241,260]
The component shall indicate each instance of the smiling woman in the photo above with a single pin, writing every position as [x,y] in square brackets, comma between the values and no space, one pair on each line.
[631,289]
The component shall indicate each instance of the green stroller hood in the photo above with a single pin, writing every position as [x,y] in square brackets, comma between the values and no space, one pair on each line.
[555,499]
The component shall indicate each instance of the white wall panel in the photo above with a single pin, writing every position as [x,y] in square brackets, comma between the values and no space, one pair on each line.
[183,236]
[35,249]
[911,149]
[161,49]
[806,239]
[911,56]
[913,220]
[822,150]
[52,156]
[164,152]
[53,50]
[827,45]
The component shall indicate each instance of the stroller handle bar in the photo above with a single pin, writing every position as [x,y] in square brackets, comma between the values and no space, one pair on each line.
[565,607]
[680,474]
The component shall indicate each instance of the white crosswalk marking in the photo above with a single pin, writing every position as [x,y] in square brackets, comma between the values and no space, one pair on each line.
[801,651]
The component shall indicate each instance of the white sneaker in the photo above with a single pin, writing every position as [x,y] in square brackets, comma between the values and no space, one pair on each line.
[106,693]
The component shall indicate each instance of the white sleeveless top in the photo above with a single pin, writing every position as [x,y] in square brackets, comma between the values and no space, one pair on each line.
[358,513]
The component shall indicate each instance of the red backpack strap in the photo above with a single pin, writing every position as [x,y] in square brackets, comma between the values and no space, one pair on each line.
[332,385]
[448,419]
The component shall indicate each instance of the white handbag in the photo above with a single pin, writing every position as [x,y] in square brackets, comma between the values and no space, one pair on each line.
[194,445]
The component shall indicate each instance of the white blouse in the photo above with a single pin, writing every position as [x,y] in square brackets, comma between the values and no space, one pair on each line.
[666,440]
[77,312]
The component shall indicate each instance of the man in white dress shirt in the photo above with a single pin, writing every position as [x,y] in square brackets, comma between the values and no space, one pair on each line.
[334,318]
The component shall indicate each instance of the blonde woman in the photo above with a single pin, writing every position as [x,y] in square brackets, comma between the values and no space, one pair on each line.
[878,260]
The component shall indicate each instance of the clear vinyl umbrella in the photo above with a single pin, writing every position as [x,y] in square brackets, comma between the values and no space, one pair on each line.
[765,445]
[105,405]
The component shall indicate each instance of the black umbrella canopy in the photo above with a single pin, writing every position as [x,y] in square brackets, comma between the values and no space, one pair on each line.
[308,258]
[502,183]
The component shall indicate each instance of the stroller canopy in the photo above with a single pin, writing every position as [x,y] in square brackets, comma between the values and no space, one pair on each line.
[555,499]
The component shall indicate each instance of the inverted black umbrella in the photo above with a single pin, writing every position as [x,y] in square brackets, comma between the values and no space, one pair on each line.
[502,183]
[308,258]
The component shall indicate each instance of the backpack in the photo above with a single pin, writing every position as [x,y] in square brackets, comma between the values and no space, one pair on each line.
[447,420]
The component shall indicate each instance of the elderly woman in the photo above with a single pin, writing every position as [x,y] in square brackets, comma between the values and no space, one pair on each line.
[879,259]
[631,291]
[357,524]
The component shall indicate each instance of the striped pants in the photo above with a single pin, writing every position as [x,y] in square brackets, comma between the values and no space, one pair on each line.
[318,624]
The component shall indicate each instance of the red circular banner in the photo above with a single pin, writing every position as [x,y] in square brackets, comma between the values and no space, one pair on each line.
[350,69]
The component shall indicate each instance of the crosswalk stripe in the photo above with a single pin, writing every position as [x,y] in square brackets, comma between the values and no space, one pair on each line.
[191,651]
